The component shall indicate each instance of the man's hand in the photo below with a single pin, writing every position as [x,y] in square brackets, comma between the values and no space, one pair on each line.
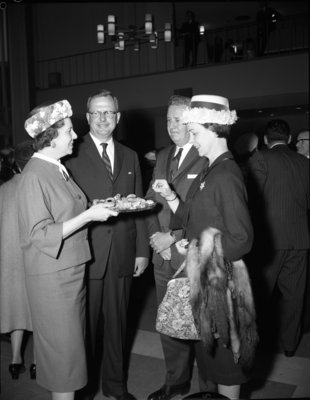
[160,241]
[140,265]
[166,254]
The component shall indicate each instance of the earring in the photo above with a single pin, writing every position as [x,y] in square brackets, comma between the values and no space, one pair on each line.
[53,145]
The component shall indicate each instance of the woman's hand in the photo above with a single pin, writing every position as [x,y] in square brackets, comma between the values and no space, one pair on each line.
[101,212]
[182,246]
[162,187]
[97,212]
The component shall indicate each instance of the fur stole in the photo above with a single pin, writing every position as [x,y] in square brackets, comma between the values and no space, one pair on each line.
[221,298]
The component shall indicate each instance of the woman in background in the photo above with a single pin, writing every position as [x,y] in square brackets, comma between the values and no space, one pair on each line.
[15,316]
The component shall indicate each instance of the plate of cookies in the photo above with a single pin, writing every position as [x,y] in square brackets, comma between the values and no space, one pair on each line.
[130,203]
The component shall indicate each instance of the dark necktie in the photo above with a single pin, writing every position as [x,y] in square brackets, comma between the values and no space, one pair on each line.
[106,159]
[175,163]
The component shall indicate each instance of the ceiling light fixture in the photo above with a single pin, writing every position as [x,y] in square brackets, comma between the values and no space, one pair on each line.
[133,35]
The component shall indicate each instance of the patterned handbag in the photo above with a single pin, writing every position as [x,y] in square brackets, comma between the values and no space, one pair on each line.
[174,314]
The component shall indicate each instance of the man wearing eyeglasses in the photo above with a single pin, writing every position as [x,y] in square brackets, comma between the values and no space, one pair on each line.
[103,168]
[302,146]
[302,143]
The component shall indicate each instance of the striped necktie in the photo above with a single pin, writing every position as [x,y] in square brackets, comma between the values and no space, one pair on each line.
[175,163]
[106,159]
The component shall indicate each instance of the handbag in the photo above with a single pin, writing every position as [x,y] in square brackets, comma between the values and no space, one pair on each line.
[174,315]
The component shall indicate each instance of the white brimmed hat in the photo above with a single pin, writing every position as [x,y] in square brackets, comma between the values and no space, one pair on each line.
[206,108]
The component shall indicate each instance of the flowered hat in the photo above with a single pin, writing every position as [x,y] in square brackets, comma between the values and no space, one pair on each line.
[47,116]
[206,108]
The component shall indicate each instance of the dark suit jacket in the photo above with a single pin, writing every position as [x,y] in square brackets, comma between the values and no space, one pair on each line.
[191,166]
[122,238]
[279,181]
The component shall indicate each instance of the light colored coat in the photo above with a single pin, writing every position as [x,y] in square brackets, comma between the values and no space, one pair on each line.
[55,270]
[14,306]
[45,201]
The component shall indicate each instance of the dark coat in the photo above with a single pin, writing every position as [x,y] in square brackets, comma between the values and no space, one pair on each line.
[279,188]
[219,200]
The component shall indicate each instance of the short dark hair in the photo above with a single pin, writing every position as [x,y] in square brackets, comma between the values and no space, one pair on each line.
[178,100]
[222,131]
[103,93]
[277,129]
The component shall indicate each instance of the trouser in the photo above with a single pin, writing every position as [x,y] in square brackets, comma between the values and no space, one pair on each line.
[287,269]
[108,300]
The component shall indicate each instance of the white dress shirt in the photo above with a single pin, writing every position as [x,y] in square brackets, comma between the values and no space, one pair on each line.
[186,148]
[61,167]
[110,149]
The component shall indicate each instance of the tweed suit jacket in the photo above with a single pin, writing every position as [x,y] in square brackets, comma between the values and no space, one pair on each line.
[191,166]
[45,201]
[122,238]
[281,179]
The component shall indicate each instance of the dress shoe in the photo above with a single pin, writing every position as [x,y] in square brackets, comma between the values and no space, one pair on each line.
[86,393]
[16,369]
[289,353]
[167,392]
[123,396]
[33,371]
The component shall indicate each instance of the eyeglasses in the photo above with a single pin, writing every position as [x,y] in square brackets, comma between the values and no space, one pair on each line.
[99,114]
[302,140]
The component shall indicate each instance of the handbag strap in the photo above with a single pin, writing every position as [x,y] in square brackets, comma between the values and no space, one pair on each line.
[180,269]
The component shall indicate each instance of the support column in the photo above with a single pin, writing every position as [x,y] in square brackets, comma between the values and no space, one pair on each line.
[18,69]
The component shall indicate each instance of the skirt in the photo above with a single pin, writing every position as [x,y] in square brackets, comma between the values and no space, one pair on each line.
[57,304]
[220,367]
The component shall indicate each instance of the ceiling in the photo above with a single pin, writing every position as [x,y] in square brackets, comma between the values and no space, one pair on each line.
[217,14]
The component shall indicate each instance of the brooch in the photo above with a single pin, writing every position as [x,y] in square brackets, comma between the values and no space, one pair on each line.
[202,185]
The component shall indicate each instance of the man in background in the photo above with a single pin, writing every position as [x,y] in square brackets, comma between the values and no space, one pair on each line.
[282,241]
[302,146]
[190,33]
[302,143]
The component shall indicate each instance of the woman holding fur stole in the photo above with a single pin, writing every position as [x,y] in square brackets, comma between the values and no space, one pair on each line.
[216,212]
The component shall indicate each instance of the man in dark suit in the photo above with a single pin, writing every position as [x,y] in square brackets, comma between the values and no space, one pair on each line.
[180,169]
[103,168]
[279,205]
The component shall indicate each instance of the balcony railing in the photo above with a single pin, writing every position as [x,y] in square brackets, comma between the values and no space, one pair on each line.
[237,43]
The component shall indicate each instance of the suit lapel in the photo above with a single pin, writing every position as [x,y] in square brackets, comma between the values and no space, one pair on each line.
[191,157]
[93,154]
[168,165]
[118,159]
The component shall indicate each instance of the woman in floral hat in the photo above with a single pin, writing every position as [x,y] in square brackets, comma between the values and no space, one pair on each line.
[52,216]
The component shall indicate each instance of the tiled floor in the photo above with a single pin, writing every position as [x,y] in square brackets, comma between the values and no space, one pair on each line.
[275,376]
